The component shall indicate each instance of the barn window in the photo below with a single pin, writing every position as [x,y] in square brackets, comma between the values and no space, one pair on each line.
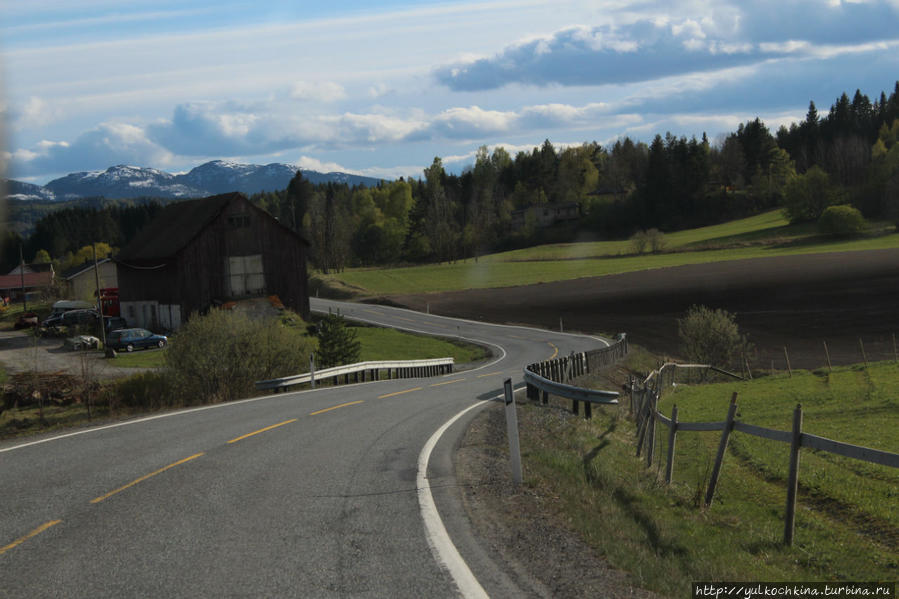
[245,275]
[239,220]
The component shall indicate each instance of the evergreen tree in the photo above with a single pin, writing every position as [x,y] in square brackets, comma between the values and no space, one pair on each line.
[337,343]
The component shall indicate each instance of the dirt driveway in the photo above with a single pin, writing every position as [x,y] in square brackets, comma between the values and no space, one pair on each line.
[795,301]
[21,352]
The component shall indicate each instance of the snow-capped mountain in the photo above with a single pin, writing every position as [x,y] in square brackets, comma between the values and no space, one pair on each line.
[211,178]
[17,190]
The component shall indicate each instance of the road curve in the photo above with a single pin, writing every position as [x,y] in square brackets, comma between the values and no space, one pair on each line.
[319,493]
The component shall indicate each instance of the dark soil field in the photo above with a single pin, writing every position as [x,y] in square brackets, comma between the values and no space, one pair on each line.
[797,302]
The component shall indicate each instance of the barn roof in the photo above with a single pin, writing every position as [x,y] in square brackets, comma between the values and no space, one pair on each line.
[173,228]
[177,224]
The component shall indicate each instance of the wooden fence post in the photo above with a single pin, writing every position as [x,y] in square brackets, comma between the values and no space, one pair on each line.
[827,354]
[651,431]
[722,448]
[787,356]
[864,356]
[793,482]
[672,439]
[895,353]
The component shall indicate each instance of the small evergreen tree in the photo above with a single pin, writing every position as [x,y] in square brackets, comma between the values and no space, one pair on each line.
[337,343]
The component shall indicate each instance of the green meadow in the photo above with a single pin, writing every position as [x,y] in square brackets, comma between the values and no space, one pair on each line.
[847,523]
[766,235]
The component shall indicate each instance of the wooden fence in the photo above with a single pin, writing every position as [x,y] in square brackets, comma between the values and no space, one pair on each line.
[645,408]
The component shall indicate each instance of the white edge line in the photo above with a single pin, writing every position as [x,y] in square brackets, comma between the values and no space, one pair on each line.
[441,545]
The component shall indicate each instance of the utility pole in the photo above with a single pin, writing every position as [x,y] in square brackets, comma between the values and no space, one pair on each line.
[99,299]
[22,275]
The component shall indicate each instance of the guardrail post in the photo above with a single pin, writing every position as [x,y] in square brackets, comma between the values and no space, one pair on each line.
[672,439]
[575,407]
[793,482]
[588,410]
[512,432]
[312,369]
[722,448]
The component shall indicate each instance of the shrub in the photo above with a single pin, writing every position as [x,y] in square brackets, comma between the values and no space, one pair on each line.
[710,336]
[656,240]
[842,221]
[221,355]
[807,195]
[337,343]
[639,241]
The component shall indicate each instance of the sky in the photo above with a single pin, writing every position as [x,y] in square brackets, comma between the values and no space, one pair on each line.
[381,88]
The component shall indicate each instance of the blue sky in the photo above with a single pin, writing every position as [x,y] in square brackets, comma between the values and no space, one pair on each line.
[381,88]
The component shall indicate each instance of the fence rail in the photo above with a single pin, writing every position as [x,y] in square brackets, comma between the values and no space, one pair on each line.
[372,370]
[645,396]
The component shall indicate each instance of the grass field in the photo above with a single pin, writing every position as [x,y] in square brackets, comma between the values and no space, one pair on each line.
[847,524]
[390,344]
[761,236]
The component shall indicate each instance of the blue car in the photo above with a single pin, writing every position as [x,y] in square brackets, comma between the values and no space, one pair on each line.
[131,339]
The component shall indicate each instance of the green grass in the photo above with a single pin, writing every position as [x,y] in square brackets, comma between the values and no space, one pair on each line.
[761,236]
[847,526]
[149,358]
[390,344]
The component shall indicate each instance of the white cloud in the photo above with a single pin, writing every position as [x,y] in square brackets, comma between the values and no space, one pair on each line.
[324,91]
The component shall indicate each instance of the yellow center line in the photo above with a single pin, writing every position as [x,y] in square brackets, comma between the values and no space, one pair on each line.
[262,430]
[343,405]
[399,393]
[447,383]
[33,533]
[406,319]
[372,311]
[480,376]
[555,353]
[145,477]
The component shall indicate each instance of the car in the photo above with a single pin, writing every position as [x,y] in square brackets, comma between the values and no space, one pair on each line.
[71,318]
[131,339]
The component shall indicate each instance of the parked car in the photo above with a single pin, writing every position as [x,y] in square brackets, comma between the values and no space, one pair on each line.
[131,339]
[71,318]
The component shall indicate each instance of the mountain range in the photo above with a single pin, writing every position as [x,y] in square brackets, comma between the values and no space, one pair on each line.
[211,178]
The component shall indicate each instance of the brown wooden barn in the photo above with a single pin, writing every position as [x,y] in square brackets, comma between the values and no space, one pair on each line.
[201,253]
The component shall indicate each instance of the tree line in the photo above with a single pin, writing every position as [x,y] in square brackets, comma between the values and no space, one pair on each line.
[849,156]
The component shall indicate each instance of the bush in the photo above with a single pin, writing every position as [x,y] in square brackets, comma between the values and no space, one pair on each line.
[656,240]
[806,196]
[710,336]
[337,343]
[842,221]
[639,241]
[221,355]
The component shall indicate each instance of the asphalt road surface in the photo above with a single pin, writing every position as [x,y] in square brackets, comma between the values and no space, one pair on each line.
[338,492]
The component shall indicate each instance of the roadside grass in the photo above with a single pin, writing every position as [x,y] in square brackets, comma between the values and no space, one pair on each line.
[390,344]
[762,236]
[141,358]
[846,524]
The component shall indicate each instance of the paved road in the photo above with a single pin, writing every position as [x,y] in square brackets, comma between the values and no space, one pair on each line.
[308,494]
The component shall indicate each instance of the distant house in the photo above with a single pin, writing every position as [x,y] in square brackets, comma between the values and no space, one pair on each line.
[37,279]
[81,282]
[544,215]
[201,253]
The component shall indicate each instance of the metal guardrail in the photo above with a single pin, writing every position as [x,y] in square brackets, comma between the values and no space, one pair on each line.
[393,368]
[570,391]
[546,378]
